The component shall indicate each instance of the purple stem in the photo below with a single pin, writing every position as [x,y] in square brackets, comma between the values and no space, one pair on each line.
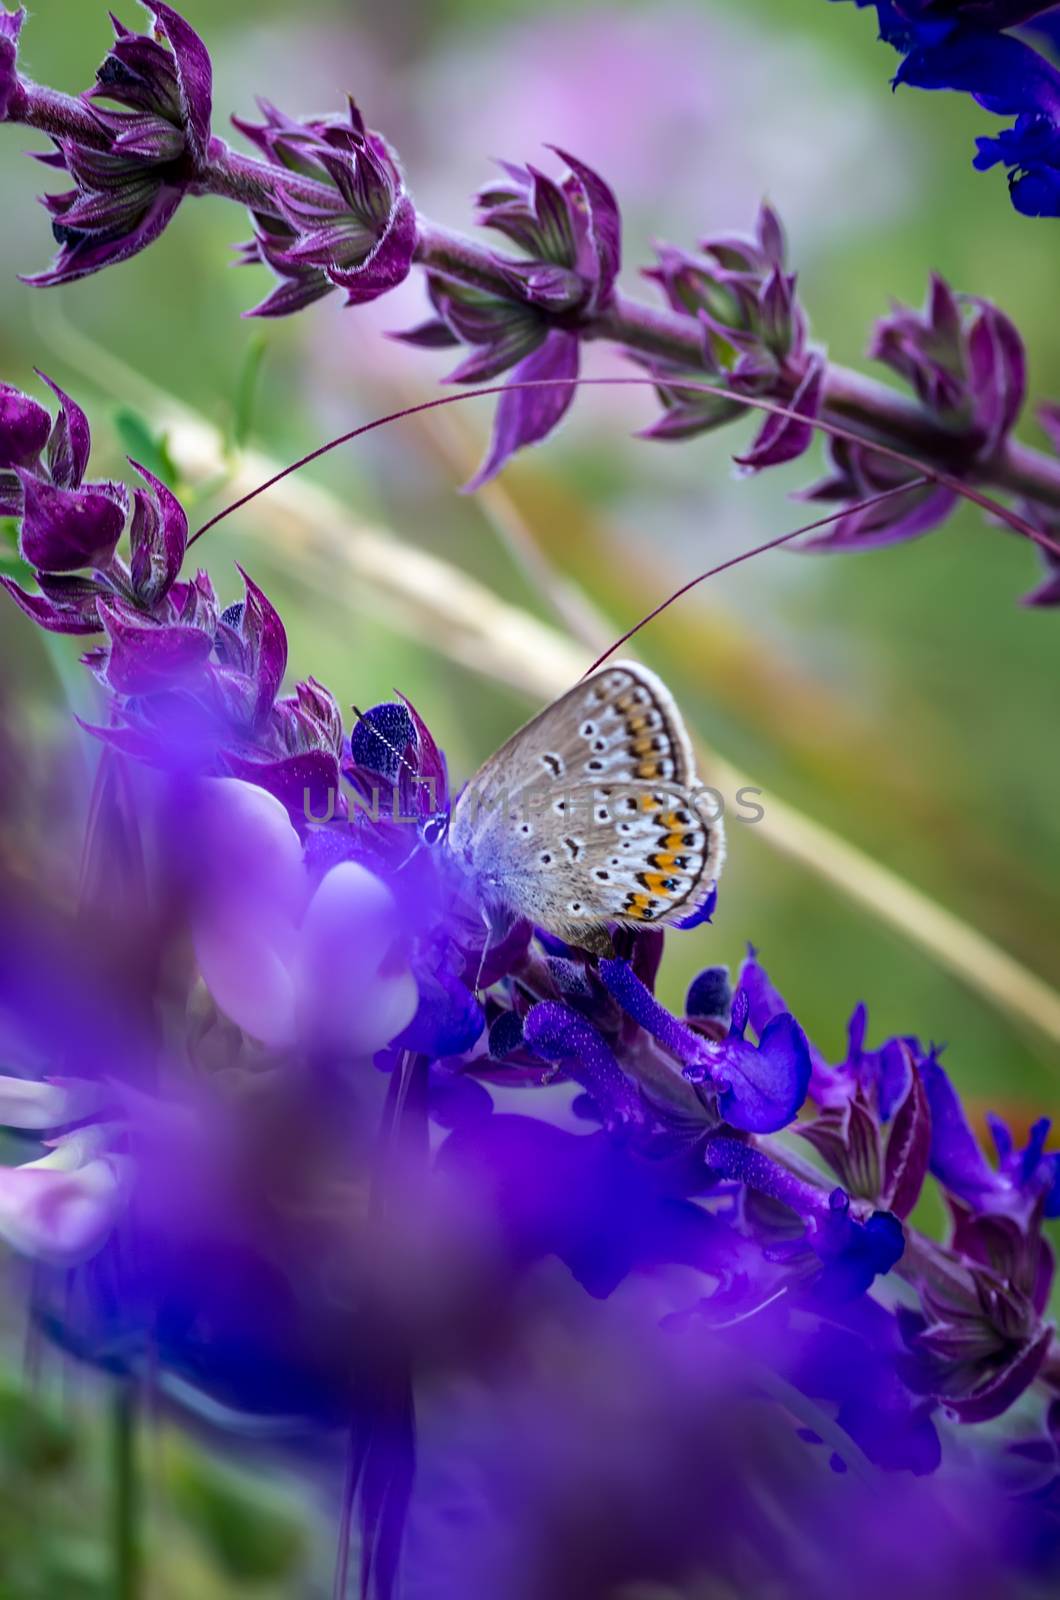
[873,409]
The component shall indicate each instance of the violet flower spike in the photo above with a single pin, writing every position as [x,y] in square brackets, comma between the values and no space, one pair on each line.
[141,160]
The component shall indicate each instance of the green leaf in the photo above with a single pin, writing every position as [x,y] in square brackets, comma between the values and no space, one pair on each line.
[246,394]
[144,445]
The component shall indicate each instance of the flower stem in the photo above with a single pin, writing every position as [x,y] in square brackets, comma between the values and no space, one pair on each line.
[870,407]
[125,1492]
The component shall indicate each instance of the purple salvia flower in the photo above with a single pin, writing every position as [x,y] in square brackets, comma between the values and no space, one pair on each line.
[357,233]
[1023,1181]
[130,179]
[570,231]
[965,360]
[759,1088]
[963,45]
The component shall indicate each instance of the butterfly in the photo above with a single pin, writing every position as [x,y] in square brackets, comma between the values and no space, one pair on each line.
[592,814]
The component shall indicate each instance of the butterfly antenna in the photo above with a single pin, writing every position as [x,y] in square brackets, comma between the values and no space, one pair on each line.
[759,549]
[394,751]
[774,408]
[486,947]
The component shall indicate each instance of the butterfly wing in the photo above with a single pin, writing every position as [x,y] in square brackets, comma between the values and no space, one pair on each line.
[592,813]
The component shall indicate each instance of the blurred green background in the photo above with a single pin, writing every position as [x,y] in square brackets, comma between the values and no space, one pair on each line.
[902,697]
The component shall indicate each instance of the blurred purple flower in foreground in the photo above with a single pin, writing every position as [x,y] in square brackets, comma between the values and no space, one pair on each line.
[295,998]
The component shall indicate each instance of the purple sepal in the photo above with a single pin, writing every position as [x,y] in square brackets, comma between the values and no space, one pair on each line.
[908,1151]
[81,254]
[783,439]
[997,376]
[24,427]
[526,416]
[433,334]
[65,529]
[559,1035]
[264,635]
[431,763]
[70,441]
[604,229]
[292,295]
[146,656]
[305,783]
[159,537]
[68,606]
[994,1398]
[10,28]
[194,73]
[387,264]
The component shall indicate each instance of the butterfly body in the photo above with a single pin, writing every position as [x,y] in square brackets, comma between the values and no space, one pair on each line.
[592,814]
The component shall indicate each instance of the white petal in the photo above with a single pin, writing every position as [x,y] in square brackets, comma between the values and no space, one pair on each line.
[36,1103]
[59,1217]
[246,967]
[249,851]
[343,1001]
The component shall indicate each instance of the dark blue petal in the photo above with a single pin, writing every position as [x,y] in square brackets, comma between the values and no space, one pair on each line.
[764,1085]
[637,1000]
[380,738]
[956,1159]
[854,1253]
[506,1035]
[558,1034]
[710,994]
[1005,75]
[448,1020]
[704,912]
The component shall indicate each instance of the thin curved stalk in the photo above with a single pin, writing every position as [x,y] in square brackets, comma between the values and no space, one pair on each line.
[436,603]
